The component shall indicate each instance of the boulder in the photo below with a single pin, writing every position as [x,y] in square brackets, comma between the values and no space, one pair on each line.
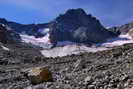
[39,75]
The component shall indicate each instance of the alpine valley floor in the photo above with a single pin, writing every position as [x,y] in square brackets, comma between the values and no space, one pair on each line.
[109,69]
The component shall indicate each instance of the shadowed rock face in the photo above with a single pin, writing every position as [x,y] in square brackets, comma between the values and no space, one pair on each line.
[77,26]
[3,34]
[3,37]
[130,32]
[8,36]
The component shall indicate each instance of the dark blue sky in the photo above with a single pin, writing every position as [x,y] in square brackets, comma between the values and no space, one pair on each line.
[110,12]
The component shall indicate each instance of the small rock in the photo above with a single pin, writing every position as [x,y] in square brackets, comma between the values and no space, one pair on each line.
[88,78]
[125,78]
[91,87]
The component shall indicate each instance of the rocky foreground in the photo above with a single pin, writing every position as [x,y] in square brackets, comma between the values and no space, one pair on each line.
[110,69]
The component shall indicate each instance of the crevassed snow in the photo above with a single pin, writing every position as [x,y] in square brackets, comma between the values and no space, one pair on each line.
[32,39]
[42,42]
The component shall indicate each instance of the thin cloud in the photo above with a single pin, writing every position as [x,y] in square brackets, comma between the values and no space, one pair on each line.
[28,4]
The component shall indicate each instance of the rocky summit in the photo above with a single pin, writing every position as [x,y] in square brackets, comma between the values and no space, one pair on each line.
[78,26]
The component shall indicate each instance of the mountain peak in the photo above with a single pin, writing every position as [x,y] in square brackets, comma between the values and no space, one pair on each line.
[78,26]
[76,11]
[73,15]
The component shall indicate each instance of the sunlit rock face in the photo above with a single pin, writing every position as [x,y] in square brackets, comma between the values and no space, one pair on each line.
[78,26]
[130,32]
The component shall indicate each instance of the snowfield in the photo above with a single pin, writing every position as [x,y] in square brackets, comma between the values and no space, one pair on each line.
[68,48]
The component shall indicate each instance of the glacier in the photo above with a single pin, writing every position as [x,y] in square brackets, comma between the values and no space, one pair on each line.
[68,48]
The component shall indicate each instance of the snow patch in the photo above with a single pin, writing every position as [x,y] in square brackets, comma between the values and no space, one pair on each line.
[5,48]
[44,30]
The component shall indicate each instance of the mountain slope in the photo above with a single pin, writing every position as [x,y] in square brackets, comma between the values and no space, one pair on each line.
[123,29]
[75,26]
[29,29]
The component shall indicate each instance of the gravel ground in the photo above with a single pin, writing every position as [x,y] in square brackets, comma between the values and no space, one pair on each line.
[110,69]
